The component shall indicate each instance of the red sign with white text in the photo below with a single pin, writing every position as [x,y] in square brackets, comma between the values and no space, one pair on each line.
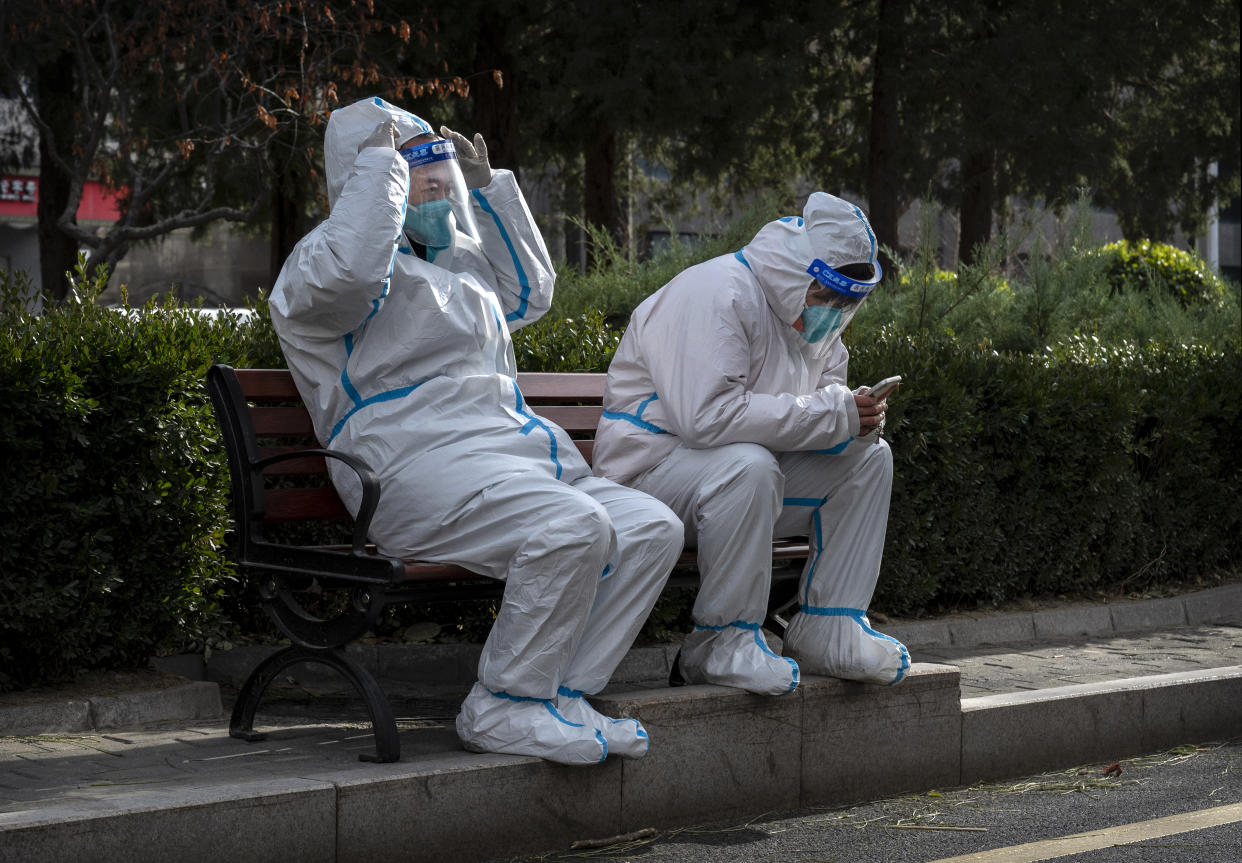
[19,195]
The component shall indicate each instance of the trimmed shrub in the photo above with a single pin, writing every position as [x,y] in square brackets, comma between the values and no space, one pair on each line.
[114,502]
[582,344]
[1087,467]
[1149,266]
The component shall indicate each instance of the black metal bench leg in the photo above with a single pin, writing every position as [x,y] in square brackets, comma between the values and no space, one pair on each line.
[241,724]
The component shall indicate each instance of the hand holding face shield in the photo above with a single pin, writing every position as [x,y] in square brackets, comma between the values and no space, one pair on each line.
[471,156]
[438,202]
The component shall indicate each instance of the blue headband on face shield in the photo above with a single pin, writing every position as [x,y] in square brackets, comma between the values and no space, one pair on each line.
[830,278]
[432,151]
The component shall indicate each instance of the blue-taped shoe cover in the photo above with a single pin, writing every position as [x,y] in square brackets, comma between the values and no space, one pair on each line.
[625,737]
[514,725]
[839,642]
[737,655]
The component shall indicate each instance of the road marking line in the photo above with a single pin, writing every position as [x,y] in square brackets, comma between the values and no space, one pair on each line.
[1094,840]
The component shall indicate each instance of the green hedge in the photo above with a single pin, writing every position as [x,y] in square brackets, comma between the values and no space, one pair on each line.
[113,504]
[1082,466]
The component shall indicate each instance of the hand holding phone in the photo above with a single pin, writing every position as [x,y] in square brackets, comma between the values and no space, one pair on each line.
[882,389]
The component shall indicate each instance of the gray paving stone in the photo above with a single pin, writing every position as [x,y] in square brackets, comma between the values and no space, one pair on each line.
[1147,615]
[920,634]
[192,700]
[716,752]
[997,629]
[1216,605]
[431,664]
[644,664]
[861,741]
[191,666]
[52,717]
[1017,734]
[1192,706]
[464,806]
[277,820]
[1068,623]
[232,667]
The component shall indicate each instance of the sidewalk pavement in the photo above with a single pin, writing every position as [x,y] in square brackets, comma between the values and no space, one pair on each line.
[154,775]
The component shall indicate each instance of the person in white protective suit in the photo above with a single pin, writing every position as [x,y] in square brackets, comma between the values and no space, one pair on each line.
[727,400]
[395,316]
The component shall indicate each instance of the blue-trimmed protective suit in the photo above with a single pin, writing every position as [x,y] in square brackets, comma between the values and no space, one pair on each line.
[409,366]
[718,406]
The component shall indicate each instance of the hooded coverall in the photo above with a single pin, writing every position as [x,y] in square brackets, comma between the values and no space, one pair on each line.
[409,366]
[717,406]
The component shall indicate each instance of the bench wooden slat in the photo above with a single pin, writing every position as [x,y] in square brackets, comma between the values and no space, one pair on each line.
[282,422]
[270,385]
[303,504]
[572,418]
[312,465]
[277,385]
[790,549]
[561,386]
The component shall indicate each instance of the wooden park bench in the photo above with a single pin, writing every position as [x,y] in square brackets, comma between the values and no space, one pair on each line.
[279,477]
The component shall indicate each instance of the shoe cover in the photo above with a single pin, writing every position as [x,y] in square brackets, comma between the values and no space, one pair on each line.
[516,725]
[625,737]
[737,655]
[839,642]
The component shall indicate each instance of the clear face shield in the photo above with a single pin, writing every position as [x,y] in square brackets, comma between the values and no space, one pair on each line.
[438,201]
[833,299]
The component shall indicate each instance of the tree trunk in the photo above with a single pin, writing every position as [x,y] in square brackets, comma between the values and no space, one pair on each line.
[292,187]
[58,251]
[883,168]
[495,102]
[602,209]
[978,199]
[288,226]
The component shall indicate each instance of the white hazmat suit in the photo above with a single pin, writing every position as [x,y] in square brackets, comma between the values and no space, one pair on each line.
[409,366]
[719,407]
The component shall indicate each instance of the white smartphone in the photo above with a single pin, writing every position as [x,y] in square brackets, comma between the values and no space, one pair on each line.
[884,387]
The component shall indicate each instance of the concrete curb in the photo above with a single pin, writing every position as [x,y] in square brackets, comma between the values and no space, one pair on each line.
[447,665]
[722,753]
[280,819]
[1022,733]
[191,700]
[1214,605]
[456,664]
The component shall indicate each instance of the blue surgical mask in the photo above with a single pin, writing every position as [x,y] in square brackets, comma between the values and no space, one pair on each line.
[819,321]
[430,224]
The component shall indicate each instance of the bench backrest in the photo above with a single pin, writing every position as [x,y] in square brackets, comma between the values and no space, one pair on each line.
[261,414]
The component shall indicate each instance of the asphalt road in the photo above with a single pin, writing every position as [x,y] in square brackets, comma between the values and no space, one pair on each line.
[1009,822]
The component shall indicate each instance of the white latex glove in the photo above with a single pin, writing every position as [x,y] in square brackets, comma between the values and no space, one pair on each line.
[385,135]
[471,157]
[875,434]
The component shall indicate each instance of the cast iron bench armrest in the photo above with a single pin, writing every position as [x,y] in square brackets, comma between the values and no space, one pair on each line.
[370,487]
